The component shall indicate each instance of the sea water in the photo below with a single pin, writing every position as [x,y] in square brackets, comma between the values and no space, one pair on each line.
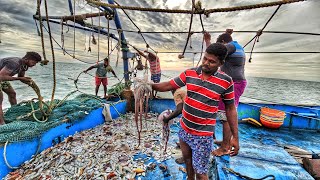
[259,89]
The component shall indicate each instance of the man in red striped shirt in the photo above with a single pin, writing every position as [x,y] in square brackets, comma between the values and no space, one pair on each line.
[205,86]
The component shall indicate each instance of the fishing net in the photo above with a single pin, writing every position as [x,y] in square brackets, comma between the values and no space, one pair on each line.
[21,123]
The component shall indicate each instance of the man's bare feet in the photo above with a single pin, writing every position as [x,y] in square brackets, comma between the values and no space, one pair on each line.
[2,123]
[180,160]
[178,145]
[220,151]
[217,142]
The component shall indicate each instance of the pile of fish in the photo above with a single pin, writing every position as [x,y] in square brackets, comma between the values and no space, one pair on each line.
[104,152]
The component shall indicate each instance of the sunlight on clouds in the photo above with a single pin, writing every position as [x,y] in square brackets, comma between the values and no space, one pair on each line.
[175,3]
[20,34]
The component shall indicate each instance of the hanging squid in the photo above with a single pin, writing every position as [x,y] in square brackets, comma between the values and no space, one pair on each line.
[142,93]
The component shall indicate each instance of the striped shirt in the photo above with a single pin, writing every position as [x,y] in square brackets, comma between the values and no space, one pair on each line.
[201,104]
[154,62]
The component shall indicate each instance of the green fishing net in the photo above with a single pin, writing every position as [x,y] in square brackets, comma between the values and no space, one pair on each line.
[21,124]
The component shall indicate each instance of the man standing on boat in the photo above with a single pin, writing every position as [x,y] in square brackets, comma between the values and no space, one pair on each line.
[154,62]
[101,75]
[205,85]
[9,67]
[234,67]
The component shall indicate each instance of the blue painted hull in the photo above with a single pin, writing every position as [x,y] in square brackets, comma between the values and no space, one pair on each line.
[18,153]
[297,117]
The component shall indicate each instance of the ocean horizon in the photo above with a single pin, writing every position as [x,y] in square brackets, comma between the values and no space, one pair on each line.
[259,89]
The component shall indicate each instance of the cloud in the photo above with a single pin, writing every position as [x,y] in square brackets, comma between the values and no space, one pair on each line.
[19,34]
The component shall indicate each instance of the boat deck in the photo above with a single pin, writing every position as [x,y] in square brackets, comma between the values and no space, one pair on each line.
[262,153]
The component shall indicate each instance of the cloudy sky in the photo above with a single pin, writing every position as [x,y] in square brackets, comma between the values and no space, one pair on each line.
[18,33]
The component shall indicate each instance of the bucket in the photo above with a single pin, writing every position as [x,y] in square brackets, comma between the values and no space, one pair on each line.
[271,118]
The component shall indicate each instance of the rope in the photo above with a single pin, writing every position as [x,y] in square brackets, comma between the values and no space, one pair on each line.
[259,33]
[194,55]
[166,76]
[108,16]
[218,32]
[116,109]
[99,37]
[247,177]
[139,30]
[45,61]
[35,22]
[53,61]
[62,37]
[205,12]
[200,16]
[5,156]
[85,40]
[119,47]
[74,28]
[189,34]
[89,48]
[261,52]
[45,119]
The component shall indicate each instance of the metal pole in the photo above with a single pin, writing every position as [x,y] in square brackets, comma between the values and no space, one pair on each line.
[70,7]
[124,46]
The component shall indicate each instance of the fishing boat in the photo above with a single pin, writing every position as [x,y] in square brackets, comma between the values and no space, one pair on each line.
[263,150]
[274,138]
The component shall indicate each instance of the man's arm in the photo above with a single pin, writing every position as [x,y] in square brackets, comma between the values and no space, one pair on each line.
[174,114]
[207,38]
[163,86]
[112,71]
[5,75]
[153,56]
[232,118]
[140,52]
[21,73]
[91,67]
[231,48]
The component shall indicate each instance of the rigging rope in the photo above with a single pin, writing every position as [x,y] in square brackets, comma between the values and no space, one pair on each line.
[64,49]
[262,52]
[119,47]
[189,34]
[89,48]
[259,33]
[74,28]
[203,30]
[195,32]
[5,157]
[99,37]
[53,60]
[205,12]
[271,177]
[45,61]
[139,30]
[62,37]
[108,21]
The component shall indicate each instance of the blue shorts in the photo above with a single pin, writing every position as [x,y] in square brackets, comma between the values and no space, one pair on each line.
[201,147]
[156,77]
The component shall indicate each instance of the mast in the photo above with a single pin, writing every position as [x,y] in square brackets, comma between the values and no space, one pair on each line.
[124,46]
